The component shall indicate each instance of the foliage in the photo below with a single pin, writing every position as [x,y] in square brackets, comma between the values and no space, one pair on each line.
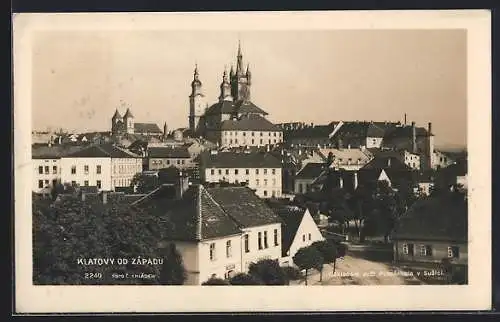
[215,281]
[268,271]
[172,271]
[292,273]
[307,258]
[244,279]
[144,183]
[328,251]
[69,230]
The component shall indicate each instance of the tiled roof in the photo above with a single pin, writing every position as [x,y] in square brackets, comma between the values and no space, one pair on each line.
[315,131]
[198,217]
[386,162]
[147,128]
[405,132]
[52,152]
[169,152]
[442,218]
[106,150]
[244,206]
[311,171]
[364,129]
[343,156]
[291,219]
[251,122]
[229,107]
[239,160]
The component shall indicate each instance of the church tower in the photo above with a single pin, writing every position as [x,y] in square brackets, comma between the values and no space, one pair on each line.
[128,119]
[196,102]
[225,88]
[240,81]
[116,123]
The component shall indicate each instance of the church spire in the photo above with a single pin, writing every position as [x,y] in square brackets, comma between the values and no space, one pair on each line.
[225,87]
[196,83]
[239,64]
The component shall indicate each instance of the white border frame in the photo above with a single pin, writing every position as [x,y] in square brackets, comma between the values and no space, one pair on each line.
[476,295]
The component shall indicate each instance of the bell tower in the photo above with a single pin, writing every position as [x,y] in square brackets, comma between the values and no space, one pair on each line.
[196,102]
[240,80]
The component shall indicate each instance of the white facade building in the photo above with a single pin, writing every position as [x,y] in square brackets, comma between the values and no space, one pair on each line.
[260,171]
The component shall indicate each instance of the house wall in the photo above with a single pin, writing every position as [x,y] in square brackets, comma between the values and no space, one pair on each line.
[441,160]
[255,180]
[46,177]
[307,228]
[190,258]
[92,176]
[255,254]
[411,160]
[123,170]
[161,163]
[302,185]
[222,264]
[251,138]
[439,251]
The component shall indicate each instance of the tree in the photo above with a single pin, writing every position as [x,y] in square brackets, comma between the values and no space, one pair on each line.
[244,279]
[215,281]
[173,271]
[268,271]
[292,273]
[307,258]
[328,251]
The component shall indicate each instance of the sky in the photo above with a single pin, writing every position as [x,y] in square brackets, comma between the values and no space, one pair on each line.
[81,77]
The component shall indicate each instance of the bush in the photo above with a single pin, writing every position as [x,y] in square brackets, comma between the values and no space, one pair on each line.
[244,279]
[341,250]
[215,281]
[292,273]
[268,271]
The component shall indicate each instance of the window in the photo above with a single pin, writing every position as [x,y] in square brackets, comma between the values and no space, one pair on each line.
[261,134]
[227,171]
[46,183]
[220,171]
[73,169]
[244,133]
[54,169]
[178,162]
[265,182]
[273,171]
[260,240]
[247,249]
[236,141]
[212,251]
[247,171]
[99,184]
[40,170]
[47,169]
[54,182]
[257,182]
[309,236]
[183,161]
[303,238]
[276,237]
[274,182]
[256,171]
[253,141]
[86,169]
[425,250]
[253,134]
[265,171]
[86,183]
[261,142]
[274,133]
[212,172]
[235,171]
[453,252]
[40,184]
[273,194]
[73,183]
[265,240]
[228,249]
[168,162]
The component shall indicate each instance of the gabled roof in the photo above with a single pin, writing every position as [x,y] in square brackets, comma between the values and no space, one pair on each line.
[252,122]
[240,160]
[169,152]
[343,156]
[107,150]
[307,131]
[244,206]
[405,131]
[311,171]
[291,219]
[364,129]
[198,217]
[147,128]
[441,218]
[387,162]
[52,152]
[117,115]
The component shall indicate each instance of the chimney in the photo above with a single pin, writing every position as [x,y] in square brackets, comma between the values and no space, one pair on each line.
[355,180]
[413,138]
[388,162]
[104,197]
[429,129]
[348,146]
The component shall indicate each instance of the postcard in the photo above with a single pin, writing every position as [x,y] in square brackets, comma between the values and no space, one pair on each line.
[301,161]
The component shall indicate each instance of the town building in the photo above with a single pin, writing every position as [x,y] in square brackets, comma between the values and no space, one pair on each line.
[307,135]
[260,171]
[164,157]
[126,124]
[105,166]
[350,159]
[298,230]
[234,120]
[433,229]
[307,175]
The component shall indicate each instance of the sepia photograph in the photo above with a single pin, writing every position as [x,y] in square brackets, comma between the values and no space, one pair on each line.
[339,158]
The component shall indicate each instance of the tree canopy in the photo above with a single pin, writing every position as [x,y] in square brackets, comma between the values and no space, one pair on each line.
[268,271]
[307,258]
[244,279]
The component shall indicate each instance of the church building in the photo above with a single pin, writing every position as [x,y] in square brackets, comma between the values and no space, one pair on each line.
[234,120]
[126,124]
